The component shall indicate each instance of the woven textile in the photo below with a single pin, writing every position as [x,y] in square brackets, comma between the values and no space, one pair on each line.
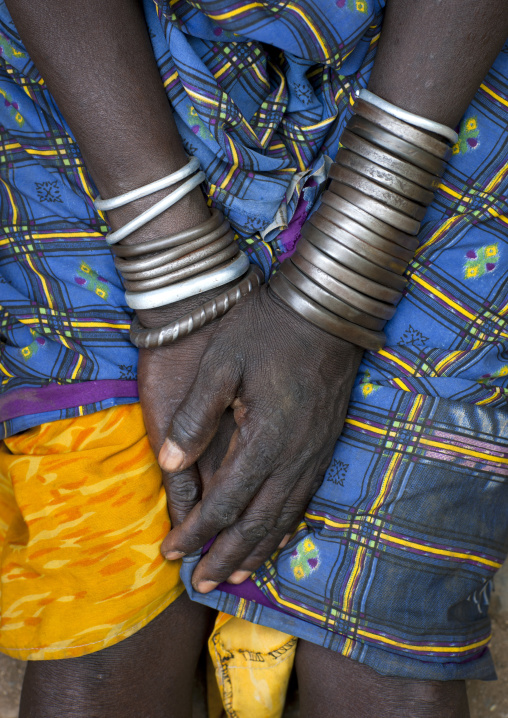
[260,94]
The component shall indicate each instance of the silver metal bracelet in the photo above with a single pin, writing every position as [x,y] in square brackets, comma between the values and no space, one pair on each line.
[189,287]
[409,117]
[104,205]
[159,208]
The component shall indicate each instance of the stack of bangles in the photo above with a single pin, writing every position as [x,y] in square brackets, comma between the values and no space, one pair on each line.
[170,269]
[346,275]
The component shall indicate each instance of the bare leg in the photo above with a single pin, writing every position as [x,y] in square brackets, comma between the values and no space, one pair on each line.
[332,686]
[149,675]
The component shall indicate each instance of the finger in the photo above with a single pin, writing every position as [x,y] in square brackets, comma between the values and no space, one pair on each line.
[257,533]
[248,462]
[293,512]
[183,491]
[196,419]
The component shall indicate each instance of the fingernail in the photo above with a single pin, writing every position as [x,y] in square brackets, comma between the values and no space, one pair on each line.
[206,586]
[173,555]
[171,457]
[239,576]
[284,541]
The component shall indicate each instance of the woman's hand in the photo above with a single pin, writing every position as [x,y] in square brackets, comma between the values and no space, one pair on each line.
[288,383]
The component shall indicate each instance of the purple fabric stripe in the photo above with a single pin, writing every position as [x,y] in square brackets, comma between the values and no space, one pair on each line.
[54,397]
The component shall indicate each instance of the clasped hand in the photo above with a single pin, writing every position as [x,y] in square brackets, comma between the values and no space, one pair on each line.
[266,395]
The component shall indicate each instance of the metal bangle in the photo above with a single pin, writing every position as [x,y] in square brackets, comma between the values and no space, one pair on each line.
[328,300]
[203,315]
[190,287]
[155,210]
[401,129]
[408,117]
[396,146]
[182,261]
[378,209]
[367,220]
[174,240]
[184,273]
[157,260]
[350,295]
[388,161]
[384,177]
[357,245]
[349,258]
[374,240]
[322,318]
[104,205]
[374,190]
[338,271]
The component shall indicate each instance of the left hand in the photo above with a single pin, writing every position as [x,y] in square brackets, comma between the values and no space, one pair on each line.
[288,383]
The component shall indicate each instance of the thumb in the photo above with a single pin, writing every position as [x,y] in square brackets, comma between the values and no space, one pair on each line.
[196,420]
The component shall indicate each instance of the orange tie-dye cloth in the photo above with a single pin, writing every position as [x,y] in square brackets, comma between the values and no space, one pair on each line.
[82,516]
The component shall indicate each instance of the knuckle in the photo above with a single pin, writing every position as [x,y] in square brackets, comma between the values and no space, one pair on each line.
[186,492]
[187,428]
[252,532]
[219,515]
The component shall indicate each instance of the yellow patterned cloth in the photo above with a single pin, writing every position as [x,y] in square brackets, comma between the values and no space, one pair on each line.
[82,516]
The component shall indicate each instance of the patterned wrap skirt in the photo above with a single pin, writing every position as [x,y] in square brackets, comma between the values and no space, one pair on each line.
[394,561]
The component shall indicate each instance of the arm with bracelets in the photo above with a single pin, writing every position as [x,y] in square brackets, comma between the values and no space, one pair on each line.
[344,281]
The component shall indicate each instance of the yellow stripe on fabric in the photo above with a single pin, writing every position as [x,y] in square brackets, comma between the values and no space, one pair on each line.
[439,551]
[442,296]
[236,11]
[40,152]
[75,373]
[2,368]
[202,98]
[449,359]
[443,229]
[49,235]
[171,78]
[359,558]
[368,427]
[259,75]
[13,203]
[397,360]
[222,70]
[416,406]
[43,280]
[494,94]
[299,11]
[432,649]
[294,606]
[466,452]
[234,164]
[387,480]
[444,188]
[496,179]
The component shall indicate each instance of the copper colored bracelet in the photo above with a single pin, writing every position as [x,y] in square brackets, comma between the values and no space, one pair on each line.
[322,318]
[389,161]
[174,240]
[203,315]
[421,158]
[368,220]
[375,191]
[343,221]
[205,265]
[385,178]
[402,129]
[358,245]
[374,307]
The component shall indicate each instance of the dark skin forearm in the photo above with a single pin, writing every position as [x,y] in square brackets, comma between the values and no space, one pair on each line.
[96,59]
[433,54]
